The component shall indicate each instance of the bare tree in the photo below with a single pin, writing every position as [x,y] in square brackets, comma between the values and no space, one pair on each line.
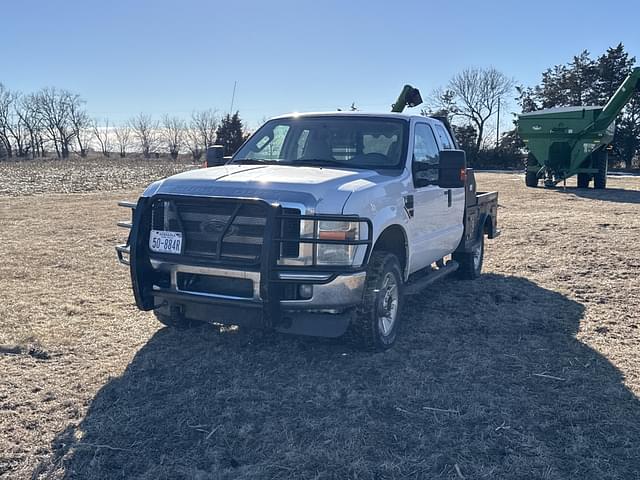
[28,113]
[173,134]
[17,128]
[103,135]
[80,123]
[123,139]
[145,130]
[6,103]
[192,141]
[202,132]
[54,110]
[474,94]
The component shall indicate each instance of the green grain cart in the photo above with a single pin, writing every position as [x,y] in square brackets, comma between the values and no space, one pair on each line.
[566,141]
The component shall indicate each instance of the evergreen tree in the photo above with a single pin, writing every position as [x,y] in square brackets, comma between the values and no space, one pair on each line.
[466,136]
[612,67]
[230,133]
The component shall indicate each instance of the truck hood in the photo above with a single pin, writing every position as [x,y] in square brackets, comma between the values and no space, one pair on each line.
[323,190]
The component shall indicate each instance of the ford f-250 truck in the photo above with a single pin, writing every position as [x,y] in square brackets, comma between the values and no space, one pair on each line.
[319,224]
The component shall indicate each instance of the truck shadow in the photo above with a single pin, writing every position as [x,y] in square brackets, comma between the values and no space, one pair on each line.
[487,380]
[618,195]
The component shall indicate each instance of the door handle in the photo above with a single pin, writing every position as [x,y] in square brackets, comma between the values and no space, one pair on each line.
[408,205]
[448,194]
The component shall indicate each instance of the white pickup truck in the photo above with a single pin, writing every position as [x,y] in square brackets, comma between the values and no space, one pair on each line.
[319,224]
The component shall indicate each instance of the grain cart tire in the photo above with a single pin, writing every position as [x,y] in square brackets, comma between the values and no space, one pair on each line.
[375,322]
[470,263]
[530,178]
[583,180]
[601,162]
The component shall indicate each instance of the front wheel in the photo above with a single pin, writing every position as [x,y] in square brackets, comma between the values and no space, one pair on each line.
[530,178]
[601,162]
[374,325]
[583,180]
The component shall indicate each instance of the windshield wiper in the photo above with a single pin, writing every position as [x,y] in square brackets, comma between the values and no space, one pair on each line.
[323,161]
[257,161]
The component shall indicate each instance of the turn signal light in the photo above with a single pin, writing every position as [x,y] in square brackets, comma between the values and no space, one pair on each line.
[335,235]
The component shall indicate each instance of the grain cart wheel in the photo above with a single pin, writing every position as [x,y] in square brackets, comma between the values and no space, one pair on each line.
[374,325]
[583,180]
[471,262]
[530,178]
[601,162]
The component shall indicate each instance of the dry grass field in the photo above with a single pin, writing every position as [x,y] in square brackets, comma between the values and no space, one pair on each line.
[530,372]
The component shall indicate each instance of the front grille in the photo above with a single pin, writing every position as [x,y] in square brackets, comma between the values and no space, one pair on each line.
[290,229]
[224,230]
[216,229]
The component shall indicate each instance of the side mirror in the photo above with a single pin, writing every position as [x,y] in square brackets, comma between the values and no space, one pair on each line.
[215,156]
[453,169]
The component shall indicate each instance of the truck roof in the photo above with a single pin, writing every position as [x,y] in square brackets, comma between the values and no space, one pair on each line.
[403,116]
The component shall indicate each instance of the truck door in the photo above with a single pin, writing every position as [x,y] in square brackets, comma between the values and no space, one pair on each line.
[430,207]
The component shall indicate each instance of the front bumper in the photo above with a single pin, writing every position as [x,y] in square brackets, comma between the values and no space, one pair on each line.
[330,292]
[159,284]
[327,313]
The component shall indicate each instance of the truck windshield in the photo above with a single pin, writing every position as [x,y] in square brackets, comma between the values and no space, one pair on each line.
[340,141]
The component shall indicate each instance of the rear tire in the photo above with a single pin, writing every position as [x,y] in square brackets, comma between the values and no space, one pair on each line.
[374,325]
[470,263]
[601,162]
[530,178]
[583,180]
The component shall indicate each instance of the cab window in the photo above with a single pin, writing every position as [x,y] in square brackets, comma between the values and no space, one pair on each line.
[445,138]
[426,156]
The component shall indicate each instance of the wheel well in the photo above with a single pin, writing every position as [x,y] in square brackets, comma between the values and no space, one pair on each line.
[393,239]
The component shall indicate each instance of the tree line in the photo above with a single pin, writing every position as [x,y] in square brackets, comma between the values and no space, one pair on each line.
[55,122]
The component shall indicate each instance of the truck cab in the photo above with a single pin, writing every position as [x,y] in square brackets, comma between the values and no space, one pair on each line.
[320,224]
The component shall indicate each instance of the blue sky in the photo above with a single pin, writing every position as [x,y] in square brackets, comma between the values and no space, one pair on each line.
[126,57]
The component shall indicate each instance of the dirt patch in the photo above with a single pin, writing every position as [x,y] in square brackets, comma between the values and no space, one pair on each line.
[532,371]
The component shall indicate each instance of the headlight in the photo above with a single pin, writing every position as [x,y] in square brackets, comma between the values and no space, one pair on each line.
[330,254]
[336,254]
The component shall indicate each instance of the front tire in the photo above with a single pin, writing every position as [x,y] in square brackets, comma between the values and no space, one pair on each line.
[601,162]
[530,178]
[583,180]
[375,323]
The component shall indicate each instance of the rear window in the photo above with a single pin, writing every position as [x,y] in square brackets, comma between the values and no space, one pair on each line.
[444,137]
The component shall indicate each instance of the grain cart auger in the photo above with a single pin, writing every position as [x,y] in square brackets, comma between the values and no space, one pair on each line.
[566,141]
[409,97]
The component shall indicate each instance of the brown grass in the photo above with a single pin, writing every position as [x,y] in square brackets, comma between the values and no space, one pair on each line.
[532,371]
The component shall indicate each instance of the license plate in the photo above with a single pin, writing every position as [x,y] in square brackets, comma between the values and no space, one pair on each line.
[163,241]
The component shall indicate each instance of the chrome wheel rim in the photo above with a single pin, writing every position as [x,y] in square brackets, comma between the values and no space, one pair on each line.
[388,307]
